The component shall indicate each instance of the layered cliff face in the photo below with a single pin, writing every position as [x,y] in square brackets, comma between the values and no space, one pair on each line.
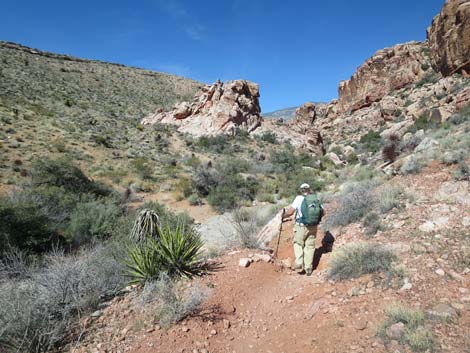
[449,38]
[220,108]
[387,70]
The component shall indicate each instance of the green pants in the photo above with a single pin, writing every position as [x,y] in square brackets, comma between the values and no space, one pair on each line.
[304,245]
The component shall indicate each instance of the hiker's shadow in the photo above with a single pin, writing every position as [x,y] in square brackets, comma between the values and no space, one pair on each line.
[326,247]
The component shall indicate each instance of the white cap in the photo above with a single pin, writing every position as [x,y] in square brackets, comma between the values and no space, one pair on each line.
[305,186]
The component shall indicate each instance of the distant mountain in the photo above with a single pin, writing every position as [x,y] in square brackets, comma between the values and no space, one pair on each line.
[286,114]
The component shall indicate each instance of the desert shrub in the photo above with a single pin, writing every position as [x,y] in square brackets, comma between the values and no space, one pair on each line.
[372,223]
[287,160]
[63,173]
[40,313]
[416,335]
[388,198]
[231,166]
[269,137]
[194,200]
[289,183]
[15,264]
[413,164]
[461,117]
[215,144]
[422,123]
[248,222]
[454,157]
[143,167]
[371,141]
[91,221]
[356,259]
[231,191]
[462,172]
[429,77]
[353,203]
[185,186]
[266,197]
[205,180]
[24,227]
[391,149]
[173,303]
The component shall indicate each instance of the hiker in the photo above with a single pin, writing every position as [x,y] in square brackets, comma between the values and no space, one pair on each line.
[308,213]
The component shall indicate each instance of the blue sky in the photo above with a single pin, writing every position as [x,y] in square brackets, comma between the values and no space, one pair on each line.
[296,50]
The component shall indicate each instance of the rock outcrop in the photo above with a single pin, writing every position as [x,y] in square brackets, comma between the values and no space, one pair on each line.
[303,121]
[387,70]
[300,132]
[220,108]
[449,38]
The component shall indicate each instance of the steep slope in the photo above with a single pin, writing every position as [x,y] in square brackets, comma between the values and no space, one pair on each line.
[52,104]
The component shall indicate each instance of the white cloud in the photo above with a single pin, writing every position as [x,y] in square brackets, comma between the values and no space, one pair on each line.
[176,9]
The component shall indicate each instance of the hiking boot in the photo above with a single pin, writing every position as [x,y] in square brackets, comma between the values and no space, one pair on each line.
[308,272]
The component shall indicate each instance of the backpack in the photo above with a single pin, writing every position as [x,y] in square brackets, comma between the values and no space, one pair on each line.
[311,210]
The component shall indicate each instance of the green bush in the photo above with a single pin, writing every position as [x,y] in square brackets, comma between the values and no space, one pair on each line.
[63,173]
[269,137]
[194,200]
[205,180]
[215,144]
[231,191]
[143,167]
[422,123]
[24,227]
[389,197]
[372,223]
[356,259]
[372,141]
[91,221]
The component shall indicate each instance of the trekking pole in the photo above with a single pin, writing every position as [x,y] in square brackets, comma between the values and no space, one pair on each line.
[280,230]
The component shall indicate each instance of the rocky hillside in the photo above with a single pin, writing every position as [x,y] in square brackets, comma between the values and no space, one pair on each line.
[285,114]
[52,104]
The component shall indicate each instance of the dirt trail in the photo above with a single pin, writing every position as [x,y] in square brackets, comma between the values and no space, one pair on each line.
[264,308]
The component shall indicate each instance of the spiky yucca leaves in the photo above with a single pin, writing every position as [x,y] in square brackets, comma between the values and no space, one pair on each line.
[179,252]
[143,262]
[145,226]
[176,252]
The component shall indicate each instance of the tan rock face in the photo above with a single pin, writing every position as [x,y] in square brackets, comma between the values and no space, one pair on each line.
[220,108]
[389,69]
[449,38]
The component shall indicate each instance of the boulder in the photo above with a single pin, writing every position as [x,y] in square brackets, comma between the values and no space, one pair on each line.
[396,331]
[244,262]
[462,99]
[443,311]
[217,109]
[449,38]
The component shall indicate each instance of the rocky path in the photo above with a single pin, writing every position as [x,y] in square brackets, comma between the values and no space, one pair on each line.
[266,307]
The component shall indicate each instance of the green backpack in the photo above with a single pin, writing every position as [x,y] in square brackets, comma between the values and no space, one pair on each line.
[311,210]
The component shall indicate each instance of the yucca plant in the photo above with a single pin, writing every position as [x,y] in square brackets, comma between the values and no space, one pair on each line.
[174,251]
[179,252]
[143,262]
[145,226]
